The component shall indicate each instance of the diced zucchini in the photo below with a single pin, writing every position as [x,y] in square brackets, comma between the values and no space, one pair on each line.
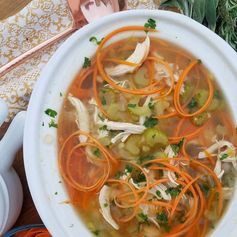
[155,137]
[200,119]
[133,143]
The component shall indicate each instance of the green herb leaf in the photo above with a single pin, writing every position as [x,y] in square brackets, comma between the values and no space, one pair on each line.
[96,152]
[158,193]
[128,169]
[224,156]
[132,105]
[139,177]
[174,192]
[104,127]
[150,122]
[211,8]
[205,189]
[162,217]
[142,218]
[151,23]
[193,103]
[103,100]
[53,124]
[176,147]
[93,39]
[145,158]
[217,94]
[106,204]
[151,105]
[50,112]
[87,62]
[199,10]
[95,232]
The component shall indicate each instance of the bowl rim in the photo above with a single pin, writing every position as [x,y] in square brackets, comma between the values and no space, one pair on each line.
[33,177]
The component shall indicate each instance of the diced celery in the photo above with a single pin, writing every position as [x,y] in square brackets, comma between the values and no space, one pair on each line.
[200,119]
[132,144]
[135,109]
[154,137]
[113,111]
[160,106]
[201,97]
[105,141]
[108,95]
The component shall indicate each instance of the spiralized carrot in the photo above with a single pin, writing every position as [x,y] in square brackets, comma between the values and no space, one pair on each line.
[179,178]
[178,86]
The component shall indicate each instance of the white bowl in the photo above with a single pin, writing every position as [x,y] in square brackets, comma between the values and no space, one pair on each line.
[40,142]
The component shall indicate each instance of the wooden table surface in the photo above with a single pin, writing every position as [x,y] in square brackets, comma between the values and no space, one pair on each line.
[28,214]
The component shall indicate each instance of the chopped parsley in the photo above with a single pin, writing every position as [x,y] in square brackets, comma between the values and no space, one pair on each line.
[162,217]
[151,105]
[217,94]
[174,192]
[96,152]
[118,175]
[92,228]
[43,124]
[95,232]
[176,147]
[158,194]
[150,122]
[50,112]
[104,127]
[128,169]
[61,94]
[103,100]
[151,23]
[93,39]
[56,193]
[224,156]
[193,103]
[87,62]
[142,217]
[106,205]
[53,124]
[199,61]
[132,105]
[145,158]
[205,189]
[139,177]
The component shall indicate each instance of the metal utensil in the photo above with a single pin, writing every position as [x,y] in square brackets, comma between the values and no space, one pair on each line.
[82,11]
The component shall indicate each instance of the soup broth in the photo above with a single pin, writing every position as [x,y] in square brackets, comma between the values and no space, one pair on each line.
[147,142]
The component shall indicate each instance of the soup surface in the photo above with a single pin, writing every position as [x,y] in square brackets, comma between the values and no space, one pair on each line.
[146,139]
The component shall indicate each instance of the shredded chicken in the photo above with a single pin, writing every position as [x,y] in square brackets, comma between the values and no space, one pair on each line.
[226,155]
[82,116]
[162,189]
[171,175]
[104,201]
[138,56]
